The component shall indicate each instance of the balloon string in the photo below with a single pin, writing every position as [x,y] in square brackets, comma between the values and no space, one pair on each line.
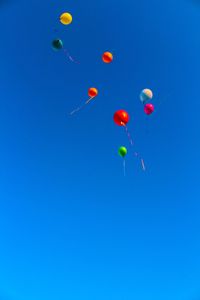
[143,165]
[129,136]
[88,101]
[124,167]
[70,57]
[135,153]
[82,106]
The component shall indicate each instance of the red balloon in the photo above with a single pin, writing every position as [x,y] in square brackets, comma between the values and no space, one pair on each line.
[148,109]
[121,117]
[107,57]
[92,92]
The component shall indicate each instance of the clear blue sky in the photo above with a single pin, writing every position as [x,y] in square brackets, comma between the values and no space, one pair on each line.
[71,225]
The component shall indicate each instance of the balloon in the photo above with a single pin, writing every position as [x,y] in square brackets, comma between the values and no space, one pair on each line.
[122,151]
[148,109]
[107,57]
[57,44]
[92,92]
[121,117]
[146,95]
[66,18]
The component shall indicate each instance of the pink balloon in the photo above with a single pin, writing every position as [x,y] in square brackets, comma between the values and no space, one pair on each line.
[148,109]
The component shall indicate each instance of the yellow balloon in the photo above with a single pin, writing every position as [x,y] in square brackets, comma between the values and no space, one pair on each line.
[66,18]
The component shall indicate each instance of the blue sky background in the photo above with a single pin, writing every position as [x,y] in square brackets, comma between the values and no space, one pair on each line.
[71,225]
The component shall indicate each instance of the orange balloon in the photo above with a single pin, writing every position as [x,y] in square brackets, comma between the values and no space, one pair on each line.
[92,92]
[107,57]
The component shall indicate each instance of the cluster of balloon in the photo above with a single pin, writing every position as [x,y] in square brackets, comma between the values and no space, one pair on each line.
[121,118]
[122,151]
[57,44]
[145,96]
[92,93]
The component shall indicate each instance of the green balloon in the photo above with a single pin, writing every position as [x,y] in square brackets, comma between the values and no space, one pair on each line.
[57,44]
[122,151]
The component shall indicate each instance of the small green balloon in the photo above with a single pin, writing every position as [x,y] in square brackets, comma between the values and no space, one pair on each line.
[122,151]
[57,44]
